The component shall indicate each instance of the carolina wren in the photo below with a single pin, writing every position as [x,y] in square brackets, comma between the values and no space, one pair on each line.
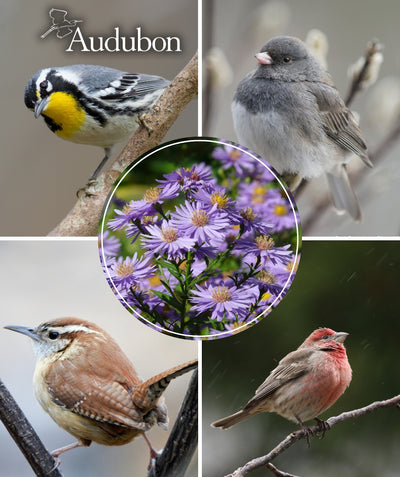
[86,383]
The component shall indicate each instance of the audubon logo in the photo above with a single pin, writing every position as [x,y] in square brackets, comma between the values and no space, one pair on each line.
[78,41]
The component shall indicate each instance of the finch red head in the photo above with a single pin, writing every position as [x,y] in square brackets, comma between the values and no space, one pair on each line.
[305,383]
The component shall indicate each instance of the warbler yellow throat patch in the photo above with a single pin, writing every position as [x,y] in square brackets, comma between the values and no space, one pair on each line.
[66,112]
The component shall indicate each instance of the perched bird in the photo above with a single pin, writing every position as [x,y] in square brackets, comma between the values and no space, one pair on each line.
[85,382]
[89,104]
[289,111]
[305,383]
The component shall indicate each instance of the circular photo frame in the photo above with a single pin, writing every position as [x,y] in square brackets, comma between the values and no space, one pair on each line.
[200,238]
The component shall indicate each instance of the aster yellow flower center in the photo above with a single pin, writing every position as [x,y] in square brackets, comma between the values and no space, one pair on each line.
[169,234]
[235,154]
[154,281]
[220,200]
[194,176]
[220,294]
[124,269]
[199,218]
[147,219]
[248,214]
[258,195]
[281,210]
[264,242]
[266,296]
[128,208]
[266,277]
[152,194]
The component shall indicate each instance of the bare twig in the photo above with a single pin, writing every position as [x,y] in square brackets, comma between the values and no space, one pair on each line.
[362,77]
[84,217]
[182,441]
[301,434]
[279,473]
[25,437]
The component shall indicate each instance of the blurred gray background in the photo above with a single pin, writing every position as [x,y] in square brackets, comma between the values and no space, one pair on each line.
[39,172]
[42,280]
[240,28]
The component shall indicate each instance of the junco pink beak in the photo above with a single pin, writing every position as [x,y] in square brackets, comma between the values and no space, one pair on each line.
[264,58]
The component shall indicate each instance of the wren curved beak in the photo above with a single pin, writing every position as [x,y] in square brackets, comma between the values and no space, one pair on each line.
[25,330]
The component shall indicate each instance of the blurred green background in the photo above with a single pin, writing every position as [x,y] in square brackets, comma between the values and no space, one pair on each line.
[349,286]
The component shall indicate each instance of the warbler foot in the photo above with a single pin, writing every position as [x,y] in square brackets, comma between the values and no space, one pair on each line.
[142,121]
[84,191]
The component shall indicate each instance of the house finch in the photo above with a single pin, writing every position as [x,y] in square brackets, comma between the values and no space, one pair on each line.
[305,383]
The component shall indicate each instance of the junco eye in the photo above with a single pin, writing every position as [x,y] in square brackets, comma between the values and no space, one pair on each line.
[287,59]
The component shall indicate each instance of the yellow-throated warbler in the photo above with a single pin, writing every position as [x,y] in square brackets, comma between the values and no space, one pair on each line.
[89,104]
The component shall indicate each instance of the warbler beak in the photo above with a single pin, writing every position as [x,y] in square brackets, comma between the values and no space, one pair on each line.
[40,105]
[25,330]
[264,58]
[339,336]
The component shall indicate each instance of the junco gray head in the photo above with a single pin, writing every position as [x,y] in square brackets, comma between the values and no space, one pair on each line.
[289,111]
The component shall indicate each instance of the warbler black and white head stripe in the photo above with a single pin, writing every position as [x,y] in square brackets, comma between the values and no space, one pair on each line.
[89,104]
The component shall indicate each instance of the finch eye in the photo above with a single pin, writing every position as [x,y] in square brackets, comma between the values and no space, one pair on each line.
[325,337]
[287,59]
[53,335]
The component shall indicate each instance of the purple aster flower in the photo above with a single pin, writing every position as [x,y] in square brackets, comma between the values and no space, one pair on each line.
[166,240]
[263,247]
[217,197]
[125,216]
[111,245]
[281,215]
[253,222]
[257,196]
[156,195]
[128,272]
[231,156]
[197,222]
[199,176]
[224,301]
[133,229]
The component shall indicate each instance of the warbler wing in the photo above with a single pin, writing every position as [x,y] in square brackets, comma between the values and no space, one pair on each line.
[133,86]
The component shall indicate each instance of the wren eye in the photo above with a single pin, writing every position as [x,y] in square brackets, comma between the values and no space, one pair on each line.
[53,335]
[287,59]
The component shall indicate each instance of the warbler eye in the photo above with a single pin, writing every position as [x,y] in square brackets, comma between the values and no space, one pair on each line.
[53,335]
[43,87]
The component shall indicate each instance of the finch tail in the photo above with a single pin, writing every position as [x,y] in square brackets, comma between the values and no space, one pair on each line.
[231,420]
[342,194]
[148,392]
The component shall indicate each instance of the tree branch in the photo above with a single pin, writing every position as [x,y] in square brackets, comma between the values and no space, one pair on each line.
[25,437]
[265,460]
[84,217]
[182,441]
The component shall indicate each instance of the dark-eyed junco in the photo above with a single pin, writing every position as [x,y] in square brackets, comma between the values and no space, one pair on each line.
[289,111]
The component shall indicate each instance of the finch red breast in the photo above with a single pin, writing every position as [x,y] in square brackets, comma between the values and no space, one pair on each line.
[305,383]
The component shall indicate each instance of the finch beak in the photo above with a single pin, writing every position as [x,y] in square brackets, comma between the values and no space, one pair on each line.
[40,105]
[264,58]
[25,330]
[340,336]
